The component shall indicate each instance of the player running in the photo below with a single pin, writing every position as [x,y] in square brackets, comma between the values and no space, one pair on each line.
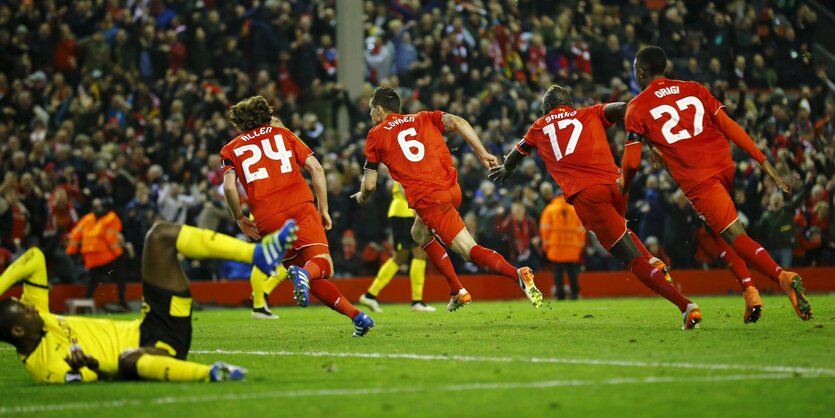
[401,218]
[64,349]
[267,157]
[414,150]
[572,143]
[690,130]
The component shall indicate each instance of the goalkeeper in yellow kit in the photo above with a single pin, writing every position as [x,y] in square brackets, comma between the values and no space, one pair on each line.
[401,219]
[62,349]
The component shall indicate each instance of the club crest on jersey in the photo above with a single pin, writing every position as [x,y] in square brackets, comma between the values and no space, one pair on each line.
[254,134]
[399,121]
[666,91]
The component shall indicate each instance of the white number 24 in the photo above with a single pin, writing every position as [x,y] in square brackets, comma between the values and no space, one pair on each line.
[551,131]
[683,103]
[280,153]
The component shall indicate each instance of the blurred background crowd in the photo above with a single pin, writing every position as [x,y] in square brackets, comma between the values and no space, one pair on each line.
[117,108]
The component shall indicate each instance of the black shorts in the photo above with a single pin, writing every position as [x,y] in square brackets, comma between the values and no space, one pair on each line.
[401,233]
[166,320]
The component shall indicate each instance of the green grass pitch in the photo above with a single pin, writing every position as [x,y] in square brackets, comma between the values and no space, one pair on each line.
[601,357]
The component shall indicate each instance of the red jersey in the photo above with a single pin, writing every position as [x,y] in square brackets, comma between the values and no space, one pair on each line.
[414,150]
[678,117]
[573,145]
[268,163]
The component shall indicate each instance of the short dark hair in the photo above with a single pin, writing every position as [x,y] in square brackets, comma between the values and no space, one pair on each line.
[652,59]
[387,98]
[7,319]
[555,97]
[250,113]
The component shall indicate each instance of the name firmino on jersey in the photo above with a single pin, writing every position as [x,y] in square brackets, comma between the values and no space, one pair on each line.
[392,124]
[666,91]
[254,134]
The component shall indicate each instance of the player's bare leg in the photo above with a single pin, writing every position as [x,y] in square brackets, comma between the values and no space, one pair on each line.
[756,256]
[439,258]
[465,246]
[652,277]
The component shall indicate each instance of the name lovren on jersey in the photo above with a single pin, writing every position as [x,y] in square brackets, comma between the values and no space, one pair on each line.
[666,91]
[399,121]
[254,134]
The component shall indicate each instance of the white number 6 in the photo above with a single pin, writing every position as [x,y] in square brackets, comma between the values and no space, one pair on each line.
[408,145]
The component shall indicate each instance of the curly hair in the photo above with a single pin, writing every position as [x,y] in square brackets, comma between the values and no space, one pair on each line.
[250,113]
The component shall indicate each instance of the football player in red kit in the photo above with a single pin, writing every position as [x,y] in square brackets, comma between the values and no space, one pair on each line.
[689,128]
[572,143]
[268,158]
[414,150]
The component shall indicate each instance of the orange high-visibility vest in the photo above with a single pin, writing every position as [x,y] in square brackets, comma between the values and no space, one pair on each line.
[99,239]
[563,235]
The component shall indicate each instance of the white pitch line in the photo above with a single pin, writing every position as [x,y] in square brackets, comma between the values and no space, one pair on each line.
[555,360]
[169,400]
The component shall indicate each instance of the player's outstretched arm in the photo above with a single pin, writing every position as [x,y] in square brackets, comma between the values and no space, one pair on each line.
[511,160]
[320,187]
[233,201]
[735,133]
[631,161]
[614,112]
[460,125]
[367,187]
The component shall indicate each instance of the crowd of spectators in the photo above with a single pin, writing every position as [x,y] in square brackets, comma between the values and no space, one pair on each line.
[125,100]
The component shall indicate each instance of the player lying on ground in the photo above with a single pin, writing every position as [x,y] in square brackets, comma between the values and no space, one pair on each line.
[572,143]
[268,158]
[690,130]
[401,218]
[414,150]
[59,349]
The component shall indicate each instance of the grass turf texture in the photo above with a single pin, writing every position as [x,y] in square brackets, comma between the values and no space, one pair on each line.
[586,358]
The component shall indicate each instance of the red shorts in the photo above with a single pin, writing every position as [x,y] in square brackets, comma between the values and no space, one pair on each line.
[601,208]
[439,212]
[311,239]
[712,200]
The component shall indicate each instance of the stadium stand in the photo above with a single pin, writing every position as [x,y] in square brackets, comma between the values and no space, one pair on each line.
[126,100]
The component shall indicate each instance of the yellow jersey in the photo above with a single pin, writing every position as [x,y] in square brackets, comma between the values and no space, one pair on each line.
[399,207]
[102,339]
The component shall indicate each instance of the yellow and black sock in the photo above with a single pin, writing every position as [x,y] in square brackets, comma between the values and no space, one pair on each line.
[29,268]
[417,274]
[199,243]
[384,276]
[163,368]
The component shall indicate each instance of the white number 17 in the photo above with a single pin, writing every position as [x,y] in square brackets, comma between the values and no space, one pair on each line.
[551,130]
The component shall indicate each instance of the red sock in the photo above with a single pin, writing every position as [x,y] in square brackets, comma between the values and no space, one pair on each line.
[440,259]
[644,251]
[492,261]
[737,266]
[654,279]
[756,256]
[325,291]
[318,268]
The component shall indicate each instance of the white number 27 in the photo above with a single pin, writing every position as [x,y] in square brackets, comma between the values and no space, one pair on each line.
[280,153]
[683,103]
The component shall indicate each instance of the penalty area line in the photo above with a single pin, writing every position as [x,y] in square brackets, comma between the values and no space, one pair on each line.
[318,393]
[553,360]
